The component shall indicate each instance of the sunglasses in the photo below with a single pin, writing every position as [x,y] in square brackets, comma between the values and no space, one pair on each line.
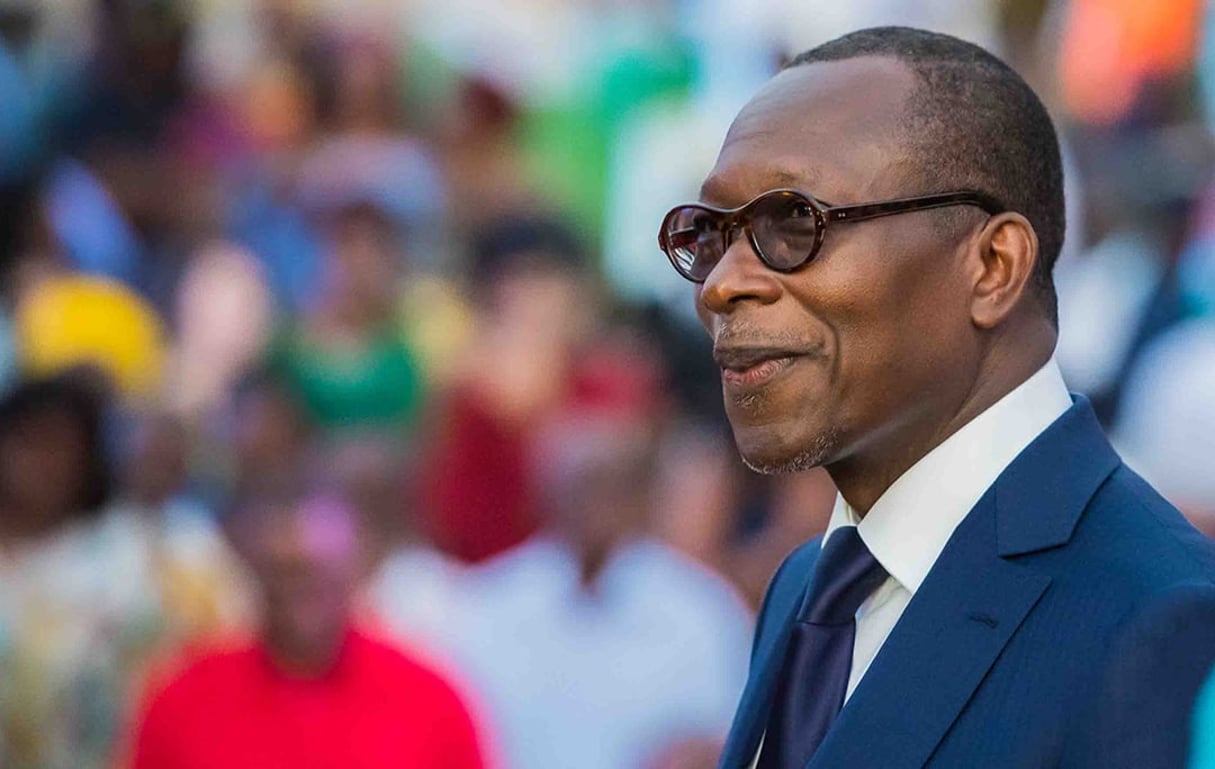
[784,227]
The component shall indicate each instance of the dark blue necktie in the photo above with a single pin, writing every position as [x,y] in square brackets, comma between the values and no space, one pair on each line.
[818,661]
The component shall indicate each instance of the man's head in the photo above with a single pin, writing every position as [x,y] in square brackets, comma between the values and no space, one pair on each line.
[900,324]
[529,275]
[303,539]
[973,123]
[367,261]
[53,463]
[597,477]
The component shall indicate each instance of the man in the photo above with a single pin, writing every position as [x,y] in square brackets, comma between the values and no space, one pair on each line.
[995,588]
[314,690]
[593,644]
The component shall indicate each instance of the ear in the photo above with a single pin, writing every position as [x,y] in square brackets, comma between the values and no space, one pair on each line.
[1007,252]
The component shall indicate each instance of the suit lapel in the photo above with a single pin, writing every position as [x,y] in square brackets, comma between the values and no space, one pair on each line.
[972,602]
[948,637]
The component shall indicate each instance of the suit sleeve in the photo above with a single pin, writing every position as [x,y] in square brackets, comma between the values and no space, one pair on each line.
[1142,711]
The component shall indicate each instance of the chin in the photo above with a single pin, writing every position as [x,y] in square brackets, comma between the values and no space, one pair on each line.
[765,451]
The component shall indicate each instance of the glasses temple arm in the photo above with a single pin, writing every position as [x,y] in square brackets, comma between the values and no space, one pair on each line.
[889,207]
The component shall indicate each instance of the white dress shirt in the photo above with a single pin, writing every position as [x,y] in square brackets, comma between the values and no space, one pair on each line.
[909,525]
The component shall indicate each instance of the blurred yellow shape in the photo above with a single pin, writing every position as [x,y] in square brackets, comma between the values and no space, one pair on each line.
[72,320]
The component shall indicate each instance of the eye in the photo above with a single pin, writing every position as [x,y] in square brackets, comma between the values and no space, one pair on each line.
[800,209]
[705,224]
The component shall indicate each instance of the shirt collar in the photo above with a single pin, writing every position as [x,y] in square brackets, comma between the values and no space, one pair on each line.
[908,526]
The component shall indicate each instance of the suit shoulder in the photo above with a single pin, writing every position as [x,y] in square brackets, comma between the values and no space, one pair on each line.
[1141,539]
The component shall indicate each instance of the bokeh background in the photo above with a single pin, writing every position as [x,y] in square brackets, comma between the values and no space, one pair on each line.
[403,251]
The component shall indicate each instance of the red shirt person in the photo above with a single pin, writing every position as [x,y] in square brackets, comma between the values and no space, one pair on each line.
[313,691]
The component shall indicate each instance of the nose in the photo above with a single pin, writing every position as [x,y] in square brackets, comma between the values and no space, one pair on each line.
[738,277]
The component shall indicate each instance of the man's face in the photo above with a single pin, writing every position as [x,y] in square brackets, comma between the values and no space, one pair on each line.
[597,477]
[306,554]
[874,336]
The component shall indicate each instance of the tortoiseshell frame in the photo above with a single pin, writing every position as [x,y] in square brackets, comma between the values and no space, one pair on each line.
[824,214]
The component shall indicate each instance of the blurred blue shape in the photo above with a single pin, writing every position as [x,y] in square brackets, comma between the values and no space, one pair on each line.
[19,134]
[8,357]
[1202,752]
[1196,276]
[93,231]
[279,234]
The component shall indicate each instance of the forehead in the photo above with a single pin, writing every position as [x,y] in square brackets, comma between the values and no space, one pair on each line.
[829,128]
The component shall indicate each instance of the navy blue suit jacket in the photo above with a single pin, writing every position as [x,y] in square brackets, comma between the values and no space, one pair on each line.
[1068,622]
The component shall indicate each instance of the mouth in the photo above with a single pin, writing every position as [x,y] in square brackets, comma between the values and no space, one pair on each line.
[749,367]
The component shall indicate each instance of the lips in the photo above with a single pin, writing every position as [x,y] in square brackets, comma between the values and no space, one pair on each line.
[748,367]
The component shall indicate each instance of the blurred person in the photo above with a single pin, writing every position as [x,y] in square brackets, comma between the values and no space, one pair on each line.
[477,145]
[375,472]
[776,515]
[315,688]
[621,652]
[995,587]
[534,307]
[358,71]
[268,428]
[222,321]
[250,121]
[121,202]
[346,361]
[66,632]
[136,75]
[1125,80]
[1105,298]
[364,152]
[1125,285]
[173,561]
[1167,419]
[416,589]
[738,523]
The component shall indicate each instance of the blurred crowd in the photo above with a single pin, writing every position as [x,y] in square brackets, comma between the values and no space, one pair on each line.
[350,416]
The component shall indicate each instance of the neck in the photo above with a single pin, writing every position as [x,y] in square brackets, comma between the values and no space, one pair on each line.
[865,475]
[593,559]
[297,659]
[24,526]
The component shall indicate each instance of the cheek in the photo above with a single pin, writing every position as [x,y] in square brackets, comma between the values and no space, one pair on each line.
[895,313]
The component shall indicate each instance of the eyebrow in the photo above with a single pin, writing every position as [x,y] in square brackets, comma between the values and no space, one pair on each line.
[775,178]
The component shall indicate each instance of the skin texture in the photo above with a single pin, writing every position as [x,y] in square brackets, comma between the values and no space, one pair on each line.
[901,331]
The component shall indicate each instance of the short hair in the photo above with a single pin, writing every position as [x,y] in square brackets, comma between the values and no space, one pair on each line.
[978,125]
[525,241]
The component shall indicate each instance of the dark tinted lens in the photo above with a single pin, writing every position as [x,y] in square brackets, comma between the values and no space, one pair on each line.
[694,241]
[785,228]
